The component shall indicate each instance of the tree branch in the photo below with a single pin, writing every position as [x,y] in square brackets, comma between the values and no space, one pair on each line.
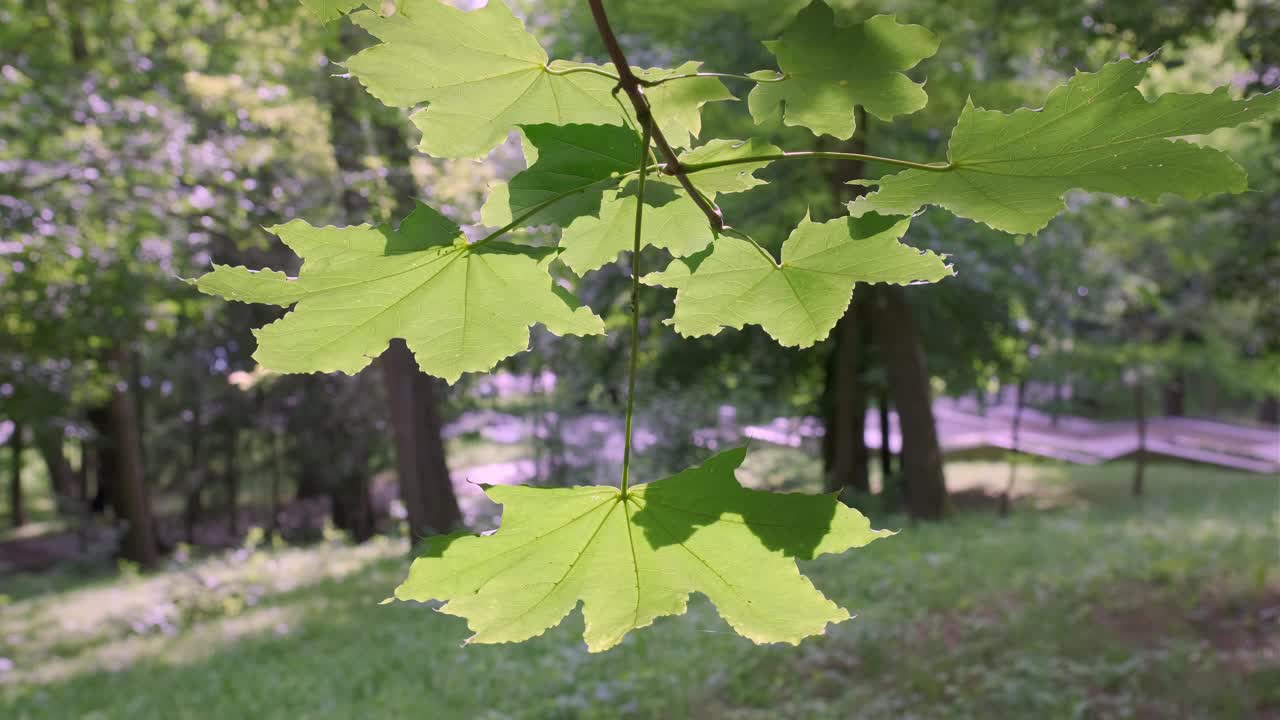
[633,87]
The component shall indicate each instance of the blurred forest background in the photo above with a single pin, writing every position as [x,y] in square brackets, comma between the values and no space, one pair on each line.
[1078,432]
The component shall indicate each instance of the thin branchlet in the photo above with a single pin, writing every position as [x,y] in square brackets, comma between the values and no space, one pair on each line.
[632,86]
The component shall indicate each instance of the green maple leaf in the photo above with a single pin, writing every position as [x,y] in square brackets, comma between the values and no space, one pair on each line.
[573,160]
[482,74]
[1097,133]
[460,307]
[829,69]
[632,559]
[730,178]
[672,222]
[676,225]
[328,10]
[677,106]
[798,301]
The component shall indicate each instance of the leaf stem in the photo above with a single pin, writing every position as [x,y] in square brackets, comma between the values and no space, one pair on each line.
[581,69]
[691,168]
[632,86]
[518,220]
[635,312]
[817,155]
[731,232]
[731,76]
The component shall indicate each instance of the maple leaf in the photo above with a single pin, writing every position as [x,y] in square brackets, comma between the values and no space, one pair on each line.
[1096,132]
[328,10]
[459,307]
[671,220]
[829,69]
[634,558]
[482,74]
[677,106]
[570,160]
[675,224]
[799,300]
[735,178]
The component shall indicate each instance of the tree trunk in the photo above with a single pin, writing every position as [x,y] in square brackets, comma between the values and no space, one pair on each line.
[17,513]
[886,450]
[231,477]
[62,477]
[425,487]
[1140,458]
[849,409]
[129,491]
[88,457]
[1175,395]
[1269,411]
[193,505]
[104,458]
[846,427]
[352,507]
[1006,499]
[923,484]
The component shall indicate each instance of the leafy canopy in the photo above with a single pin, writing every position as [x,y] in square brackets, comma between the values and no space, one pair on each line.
[460,307]
[799,300]
[630,559]
[829,69]
[1097,132]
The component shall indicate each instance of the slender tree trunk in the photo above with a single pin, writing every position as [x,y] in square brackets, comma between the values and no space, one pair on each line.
[62,477]
[1006,499]
[231,476]
[88,456]
[425,486]
[848,446]
[415,422]
[1140,458]
[129,494]
[278,452]
[104,455]
[886,450]
[1175,395]
[923,483]
[17,513]
[846,429]
[193,506]
[426,434]
[1269,410]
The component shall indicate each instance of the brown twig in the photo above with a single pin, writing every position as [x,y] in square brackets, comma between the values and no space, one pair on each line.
[634,89]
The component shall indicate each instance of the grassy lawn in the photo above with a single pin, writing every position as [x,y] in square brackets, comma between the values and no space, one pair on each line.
[1086,603]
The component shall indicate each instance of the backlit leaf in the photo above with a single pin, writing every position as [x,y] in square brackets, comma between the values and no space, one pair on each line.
[459,307]
[798,301]
[482,74]
[677,225]
[328,10]
[829,69]
[730,178]
[629,560]
[677,105]
[1097,132]
[569,159]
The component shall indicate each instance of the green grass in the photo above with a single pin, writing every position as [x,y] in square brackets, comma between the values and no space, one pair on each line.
[1086,603]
